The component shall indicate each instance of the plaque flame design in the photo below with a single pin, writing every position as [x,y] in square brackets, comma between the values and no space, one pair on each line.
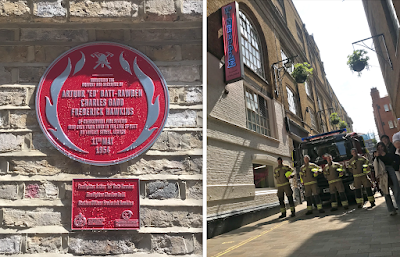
[51,109]
[153,109]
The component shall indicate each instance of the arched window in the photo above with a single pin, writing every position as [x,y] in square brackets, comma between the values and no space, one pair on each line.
[251,47]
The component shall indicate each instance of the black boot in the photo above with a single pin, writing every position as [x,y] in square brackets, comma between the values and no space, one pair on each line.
[283,215]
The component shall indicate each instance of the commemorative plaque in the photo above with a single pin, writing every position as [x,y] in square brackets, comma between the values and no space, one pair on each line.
[102,103]
[105,204]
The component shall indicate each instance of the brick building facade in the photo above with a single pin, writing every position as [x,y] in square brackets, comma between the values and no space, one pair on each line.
[35,178]
[254,120]
[385,120]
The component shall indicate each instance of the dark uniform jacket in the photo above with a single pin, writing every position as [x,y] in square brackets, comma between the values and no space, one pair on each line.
[332,172]
[282,174]
[307,173]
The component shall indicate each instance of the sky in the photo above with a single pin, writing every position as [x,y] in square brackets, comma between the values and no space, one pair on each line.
[336,24]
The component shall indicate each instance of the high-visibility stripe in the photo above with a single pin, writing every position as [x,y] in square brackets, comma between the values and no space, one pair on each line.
[319,206]
[371,198]
[288,173]
[359,175]
[334,204]
[310,183]
[359,200]
[283,210]
[334,180]
[292,209]
[283,184]
[309,208]
[345,203]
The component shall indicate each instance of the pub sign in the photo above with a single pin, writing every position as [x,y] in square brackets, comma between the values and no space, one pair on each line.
[102,103]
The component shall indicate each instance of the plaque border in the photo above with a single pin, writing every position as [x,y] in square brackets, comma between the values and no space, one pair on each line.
[101,163]
[101,229]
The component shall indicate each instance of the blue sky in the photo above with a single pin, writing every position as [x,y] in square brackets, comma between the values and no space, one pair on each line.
[336,24]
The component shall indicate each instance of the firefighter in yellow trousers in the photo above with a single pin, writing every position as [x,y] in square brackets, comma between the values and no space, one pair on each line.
[282,174]
[333,172]
[308,176]
[359,167]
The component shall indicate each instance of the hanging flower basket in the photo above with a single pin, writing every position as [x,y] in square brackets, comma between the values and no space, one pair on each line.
[301,72]
[358,61]
[335,119]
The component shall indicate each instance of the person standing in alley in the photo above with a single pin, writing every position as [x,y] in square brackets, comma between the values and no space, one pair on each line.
[385,165]
[389,145]
[308,176]
[359,167]
[282,174]
[333,171]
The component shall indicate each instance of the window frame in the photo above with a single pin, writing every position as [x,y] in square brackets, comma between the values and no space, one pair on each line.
[294,108]
[251,45]
[386,107]
[254,120]
[390,124]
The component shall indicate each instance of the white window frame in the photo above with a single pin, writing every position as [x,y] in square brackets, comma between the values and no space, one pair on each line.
[257,119]
[291,100]
[390,123]
[386,107]
[284,57]
[312,118]
[251,46]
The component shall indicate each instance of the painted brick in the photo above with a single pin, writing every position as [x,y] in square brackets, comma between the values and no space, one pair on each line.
[48,9]
[44,244]
[194,190]
[48,54]
[181,73]
[179,244]
[159,8]
[10,244]
[12,96]
[89,8]
[192,7]
[173,141]
[9,191]
[177,166]
[14,8]
[104,244]
[165,35]
[7,34]
[65,35]
[179,118]
[171,217]
[23,119]
[27,218]
[164,53]
[162,190]
[13,53]
[45,190]
[31,74]
[10,142]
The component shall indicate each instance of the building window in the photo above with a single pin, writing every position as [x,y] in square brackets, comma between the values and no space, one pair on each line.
[395,123]
[390,123]
[251,46]
[319,104]
[308,88]
[282,4]
[263,176]
[386,107]
[257,113]
[312,117]
[390,106]
[291,101]
[289,68]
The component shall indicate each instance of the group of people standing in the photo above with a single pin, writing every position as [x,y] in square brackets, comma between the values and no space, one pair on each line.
[386,165]
[333,171]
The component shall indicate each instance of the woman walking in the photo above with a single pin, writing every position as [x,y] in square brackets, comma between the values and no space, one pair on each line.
[385,165]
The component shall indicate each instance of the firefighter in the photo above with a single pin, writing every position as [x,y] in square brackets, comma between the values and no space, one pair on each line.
[308,176]
[359,167]
[333,172]
[282,174]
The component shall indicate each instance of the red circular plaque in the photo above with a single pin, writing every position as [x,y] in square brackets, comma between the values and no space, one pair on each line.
[102,103]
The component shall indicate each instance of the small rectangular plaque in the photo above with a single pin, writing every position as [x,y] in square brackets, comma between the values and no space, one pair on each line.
[105,204]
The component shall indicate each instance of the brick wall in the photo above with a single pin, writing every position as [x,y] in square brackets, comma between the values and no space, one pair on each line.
[35,179]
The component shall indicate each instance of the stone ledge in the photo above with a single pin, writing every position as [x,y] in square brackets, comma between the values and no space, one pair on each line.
[59,203]
[62,230]
[139,254]
[35,153]
[68,177]
[184,107]
[13,107]
[17,85]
